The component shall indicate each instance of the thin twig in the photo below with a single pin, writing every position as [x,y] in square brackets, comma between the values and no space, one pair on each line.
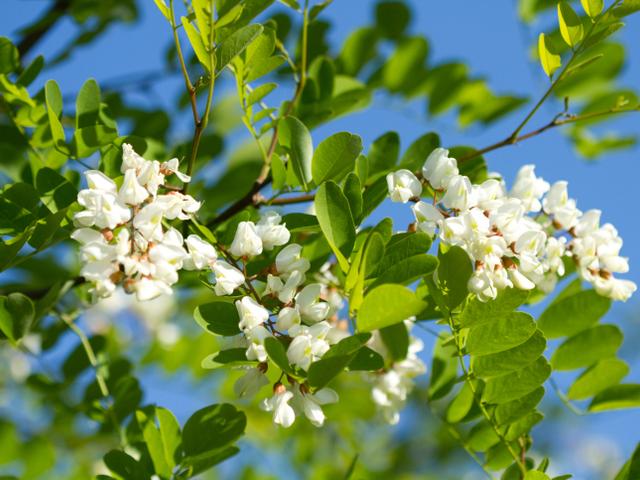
[556,122]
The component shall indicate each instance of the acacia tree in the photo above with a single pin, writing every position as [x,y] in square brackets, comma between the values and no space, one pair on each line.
[300,300]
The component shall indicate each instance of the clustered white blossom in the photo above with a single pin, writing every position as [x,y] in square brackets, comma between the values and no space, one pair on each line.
[302,315]
[124,238]
[515,238]
[392,386]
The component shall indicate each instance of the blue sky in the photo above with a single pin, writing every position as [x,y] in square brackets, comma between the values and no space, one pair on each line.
[487,36]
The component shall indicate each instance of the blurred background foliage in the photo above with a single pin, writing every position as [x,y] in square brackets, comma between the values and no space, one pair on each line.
[53,424]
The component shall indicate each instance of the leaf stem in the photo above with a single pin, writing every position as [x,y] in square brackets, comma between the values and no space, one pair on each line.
[69,320]
[478,400]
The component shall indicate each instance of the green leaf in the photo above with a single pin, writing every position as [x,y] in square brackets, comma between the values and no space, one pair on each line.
[197,44]
[53,99]
[570,24]
[587,347]
[32,71]
[514,385]
[219,317]
[229,357]
[170,435]
[278,355]
[16,315]
[550,61]
[353,192]
[153,441]
[403,246]
[523,425]
[260,92]
[592,7]
[9,56]
[626,395]
[626,8]
[408,270]
[358,49]
[573,314]
[444,369]
[477,312]
[295,136]
[415,156]
[387,305]
[212,428]
[461,404]
[396,339]
[88,104]
[631,468]
[164,10]
[55,191]
[337,358]
[383,154]
[501,334]
[335,156]
[606,373]
[454,272]
[235,44]
[536,475]
[334,217]
[515,409]
[88,140]
[367,360]
[204,19]
[405,63]
[509,360]
[124,465]
[392,18]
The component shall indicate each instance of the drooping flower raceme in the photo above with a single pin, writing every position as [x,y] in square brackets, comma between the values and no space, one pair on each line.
[122,231]
[517,238]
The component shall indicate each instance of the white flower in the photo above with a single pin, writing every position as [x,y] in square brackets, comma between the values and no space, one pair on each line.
[130,159]
[427,216]
[250,383]
[271,232]
[558,204]
[96,180]
[228,278]
[251,313]
[149,175]
[201,253]
[290,259]
[460,194]
[287,318]
[490,194]
[519,280]
[283,413]
[588,223]
[308,345]
[439,168]
[256,337]
[131,192]
[148,222]
[311,404]
[177,205]
[615,288]
[403,185]
[247,242]
[529,188]
[102,209]
[147,289]
[310,306]
[171,167]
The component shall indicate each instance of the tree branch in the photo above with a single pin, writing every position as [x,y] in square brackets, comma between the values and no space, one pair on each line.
[556,122]
[38,30]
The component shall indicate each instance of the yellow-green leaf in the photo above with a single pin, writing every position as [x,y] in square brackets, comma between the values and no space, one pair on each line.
[592,7]
[550,61]
[196,43]
[570,24]
[164,10]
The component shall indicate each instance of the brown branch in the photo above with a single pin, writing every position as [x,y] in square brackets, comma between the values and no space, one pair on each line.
[556,122]
[38,30]
[264,179]
[309,197]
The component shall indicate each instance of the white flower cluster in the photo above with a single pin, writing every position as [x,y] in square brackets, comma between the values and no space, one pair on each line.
[392,386]
[515,238]
[302,316]
[124,240]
